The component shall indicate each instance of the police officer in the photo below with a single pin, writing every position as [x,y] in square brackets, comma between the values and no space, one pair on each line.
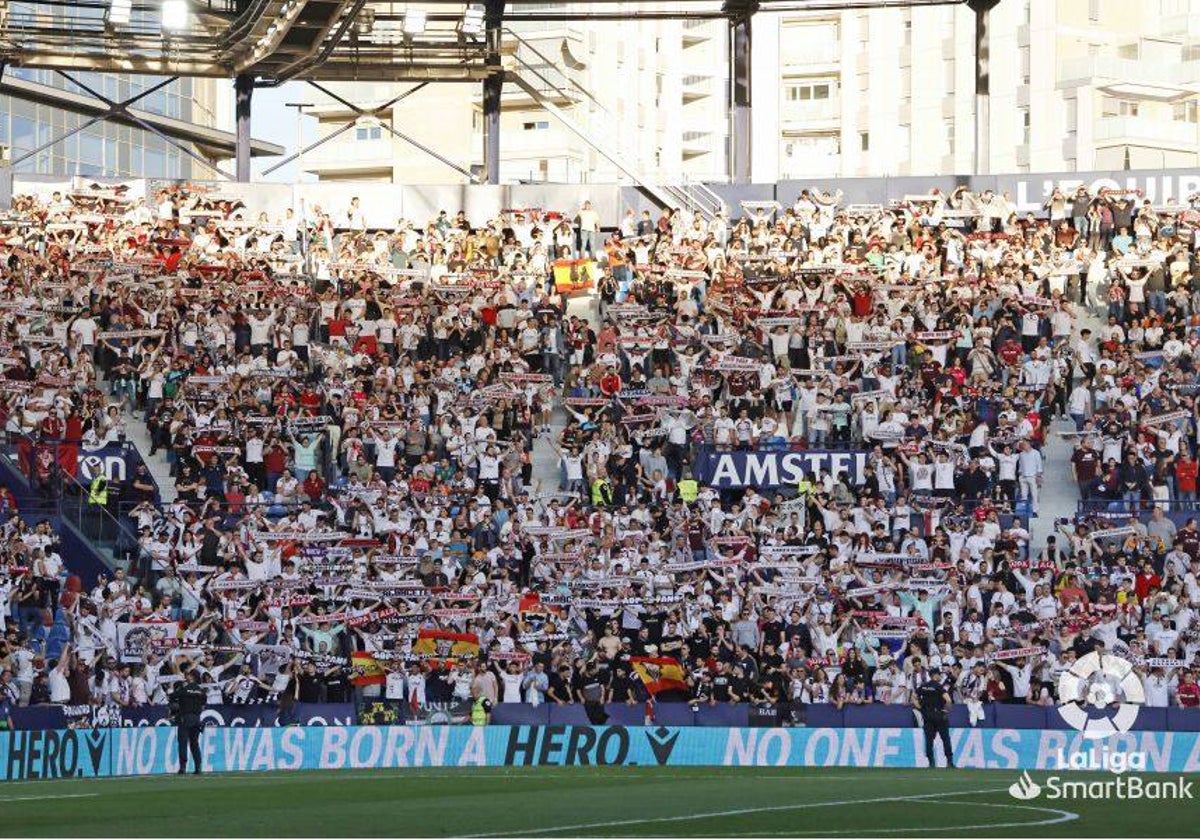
[186,704]
[932,698]
[97,502]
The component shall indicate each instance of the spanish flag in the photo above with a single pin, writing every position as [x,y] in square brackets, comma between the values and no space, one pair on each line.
[366,670]
[573,276]
[660,673]
[443,644]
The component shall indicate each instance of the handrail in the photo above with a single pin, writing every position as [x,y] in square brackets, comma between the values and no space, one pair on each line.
[57,478]
[1113,507]
[525,43]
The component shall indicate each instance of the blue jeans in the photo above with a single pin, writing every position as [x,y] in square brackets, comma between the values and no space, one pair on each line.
[587,242]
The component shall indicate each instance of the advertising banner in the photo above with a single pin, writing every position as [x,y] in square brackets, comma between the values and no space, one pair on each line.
[763,468]
[152,750]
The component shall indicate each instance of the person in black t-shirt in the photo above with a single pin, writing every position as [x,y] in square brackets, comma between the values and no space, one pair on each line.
[671,642]
[723,686]
[771,630]
[746,662]
[438,688]
[559,690]
[337,685]
[311,685]
[623,686]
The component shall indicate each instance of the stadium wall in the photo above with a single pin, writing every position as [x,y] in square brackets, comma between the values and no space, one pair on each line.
[98,753]
[383,204]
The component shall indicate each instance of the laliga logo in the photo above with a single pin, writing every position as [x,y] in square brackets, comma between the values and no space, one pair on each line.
[1100,682]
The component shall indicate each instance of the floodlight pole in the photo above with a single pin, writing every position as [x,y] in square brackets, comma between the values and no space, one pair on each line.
[983,97]
[493,88]
[243,87]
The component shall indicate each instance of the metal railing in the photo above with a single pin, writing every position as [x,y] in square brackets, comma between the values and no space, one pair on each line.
[64,495]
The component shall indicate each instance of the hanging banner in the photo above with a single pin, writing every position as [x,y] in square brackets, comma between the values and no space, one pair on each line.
[729,470]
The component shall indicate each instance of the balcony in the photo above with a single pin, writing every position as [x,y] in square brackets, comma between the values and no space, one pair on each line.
[696,143]
[809,55]
[698,32]
[698,86]
[1143,131]
[810,166]
[1128,77]
[349,157]
[811,114]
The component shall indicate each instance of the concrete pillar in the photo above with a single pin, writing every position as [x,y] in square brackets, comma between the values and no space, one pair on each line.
[493,88]
[243,87]
[983,98]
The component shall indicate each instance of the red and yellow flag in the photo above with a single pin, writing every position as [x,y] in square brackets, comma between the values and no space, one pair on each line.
[443,644]
[574,276]
[660,673]
[366,670]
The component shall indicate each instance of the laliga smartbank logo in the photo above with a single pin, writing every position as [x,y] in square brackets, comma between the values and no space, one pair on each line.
[1100,696]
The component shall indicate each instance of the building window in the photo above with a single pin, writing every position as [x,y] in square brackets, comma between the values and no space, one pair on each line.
[808,91]
[1094,11]
[864,141]
[1187,111]
[1191,52]
[538,125]
[1130,51]
[368,132]
[1025,126]
[1113,107]
[948,131]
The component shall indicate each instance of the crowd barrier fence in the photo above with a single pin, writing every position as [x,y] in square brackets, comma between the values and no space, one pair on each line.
[735,715]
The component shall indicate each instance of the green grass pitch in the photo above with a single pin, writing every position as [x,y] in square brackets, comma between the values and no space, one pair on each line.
[587,801]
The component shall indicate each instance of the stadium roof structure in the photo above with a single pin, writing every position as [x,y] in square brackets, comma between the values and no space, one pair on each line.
[264,43]
[332,40]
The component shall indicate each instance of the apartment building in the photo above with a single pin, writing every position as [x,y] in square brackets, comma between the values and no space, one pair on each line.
[1076,85]
[652,92]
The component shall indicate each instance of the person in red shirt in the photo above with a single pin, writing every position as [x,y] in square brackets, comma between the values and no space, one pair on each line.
[310,400]
[337,328]
[1186,470]
[313,486]
[610,383]
[52,427]
[367,345]
[1188,692]
[274,463]
[1146,581]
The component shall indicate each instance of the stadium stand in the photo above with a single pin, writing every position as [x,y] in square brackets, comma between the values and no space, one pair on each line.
[781,461]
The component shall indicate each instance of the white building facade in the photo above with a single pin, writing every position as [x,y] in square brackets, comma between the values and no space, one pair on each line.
[655,92]
[1076,85]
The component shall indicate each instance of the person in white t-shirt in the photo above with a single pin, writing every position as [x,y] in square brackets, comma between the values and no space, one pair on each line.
[511,681]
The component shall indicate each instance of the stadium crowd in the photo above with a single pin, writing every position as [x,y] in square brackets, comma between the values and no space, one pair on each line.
[356,420]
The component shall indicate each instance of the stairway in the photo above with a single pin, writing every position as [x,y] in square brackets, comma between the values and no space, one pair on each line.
[138,434]
[542,89]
